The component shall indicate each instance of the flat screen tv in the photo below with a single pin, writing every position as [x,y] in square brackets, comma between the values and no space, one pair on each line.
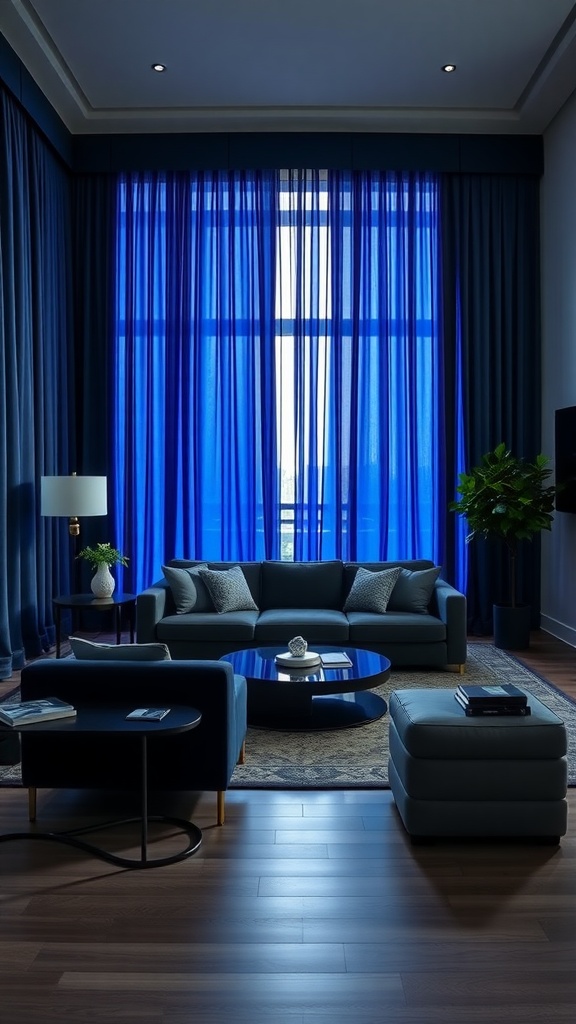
[565,458]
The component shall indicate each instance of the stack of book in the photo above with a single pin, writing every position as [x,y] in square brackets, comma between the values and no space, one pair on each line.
[28,712]
[505,699]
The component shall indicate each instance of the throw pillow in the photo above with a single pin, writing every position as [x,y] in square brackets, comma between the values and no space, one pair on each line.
[413,590]
[188,590]
[370,591]
[87,650]
[229,590]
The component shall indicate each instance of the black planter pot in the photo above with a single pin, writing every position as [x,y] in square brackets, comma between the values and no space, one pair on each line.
[512,627]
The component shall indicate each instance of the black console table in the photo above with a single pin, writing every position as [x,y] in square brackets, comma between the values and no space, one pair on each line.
[106,721]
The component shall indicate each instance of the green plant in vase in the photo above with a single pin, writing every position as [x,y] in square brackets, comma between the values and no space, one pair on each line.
[508,498]
[102,557]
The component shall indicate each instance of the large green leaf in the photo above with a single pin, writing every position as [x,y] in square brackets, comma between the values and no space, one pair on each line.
[508,498]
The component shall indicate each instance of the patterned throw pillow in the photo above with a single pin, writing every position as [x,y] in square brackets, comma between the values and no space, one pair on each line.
[413,590]
[370,591]
[87,650]
[228,589]
[188,590]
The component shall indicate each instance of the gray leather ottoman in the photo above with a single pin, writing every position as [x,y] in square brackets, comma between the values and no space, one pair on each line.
[457,776]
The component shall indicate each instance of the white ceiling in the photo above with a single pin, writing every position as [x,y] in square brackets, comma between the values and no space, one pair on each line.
[298,65]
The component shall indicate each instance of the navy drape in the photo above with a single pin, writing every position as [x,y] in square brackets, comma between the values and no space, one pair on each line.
[492,316]
[36,382]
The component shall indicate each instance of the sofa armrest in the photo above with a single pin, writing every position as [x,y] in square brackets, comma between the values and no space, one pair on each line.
[451,609]
[151,606]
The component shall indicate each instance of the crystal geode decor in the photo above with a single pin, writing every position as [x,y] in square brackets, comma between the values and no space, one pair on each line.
[298,646]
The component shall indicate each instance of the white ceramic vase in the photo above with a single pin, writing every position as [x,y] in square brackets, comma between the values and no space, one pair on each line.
[103,583]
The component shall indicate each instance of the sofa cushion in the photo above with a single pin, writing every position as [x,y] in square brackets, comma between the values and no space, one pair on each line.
[301,585]
[371,591]
[276,626]
[350,568]
[395,627]
[188,589]
[229,590]
[87,650]
[413,590]
[234,628]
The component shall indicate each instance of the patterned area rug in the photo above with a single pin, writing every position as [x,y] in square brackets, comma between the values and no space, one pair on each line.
[357,758]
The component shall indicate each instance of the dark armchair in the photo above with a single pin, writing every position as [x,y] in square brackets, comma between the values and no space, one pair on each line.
[203,759]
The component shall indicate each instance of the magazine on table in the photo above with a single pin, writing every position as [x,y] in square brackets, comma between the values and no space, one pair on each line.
[148,714]
[28,712]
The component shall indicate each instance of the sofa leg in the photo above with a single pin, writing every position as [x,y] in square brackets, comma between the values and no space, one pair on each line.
[462,669]
[220,806]
[242,757]
[32,803]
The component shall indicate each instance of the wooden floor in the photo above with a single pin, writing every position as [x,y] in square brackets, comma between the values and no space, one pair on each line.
[305,908]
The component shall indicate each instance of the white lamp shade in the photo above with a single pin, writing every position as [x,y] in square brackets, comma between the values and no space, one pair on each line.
[73,496]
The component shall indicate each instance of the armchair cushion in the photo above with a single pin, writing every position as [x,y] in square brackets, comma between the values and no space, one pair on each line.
[88,650]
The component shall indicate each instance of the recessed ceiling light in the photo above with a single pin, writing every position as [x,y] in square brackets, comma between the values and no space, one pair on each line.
[158,67]
[448,67]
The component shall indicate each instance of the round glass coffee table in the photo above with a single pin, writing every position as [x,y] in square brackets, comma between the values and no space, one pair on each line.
[314,698]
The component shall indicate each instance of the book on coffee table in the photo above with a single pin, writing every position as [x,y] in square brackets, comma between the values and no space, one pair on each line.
[28,712]
[335,659]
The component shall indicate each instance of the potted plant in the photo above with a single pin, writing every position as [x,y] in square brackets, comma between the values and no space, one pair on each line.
[102,557]
[508,498]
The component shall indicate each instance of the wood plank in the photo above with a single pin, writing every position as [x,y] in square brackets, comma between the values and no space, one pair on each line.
[308,907]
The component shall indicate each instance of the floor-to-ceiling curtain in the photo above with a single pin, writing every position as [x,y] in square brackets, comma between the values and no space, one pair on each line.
[93,238]
[492,316]
[36,381]
[279,381]
[194,427]
[359,319]
[93,268]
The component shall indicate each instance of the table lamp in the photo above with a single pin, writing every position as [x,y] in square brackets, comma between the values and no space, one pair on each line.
[73,496]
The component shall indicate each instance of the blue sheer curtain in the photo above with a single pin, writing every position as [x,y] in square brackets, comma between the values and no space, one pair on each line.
[361,357]
[194,436]
[36,382]
[278,366]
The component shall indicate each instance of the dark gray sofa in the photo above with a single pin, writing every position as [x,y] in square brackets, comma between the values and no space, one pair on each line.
[307,599]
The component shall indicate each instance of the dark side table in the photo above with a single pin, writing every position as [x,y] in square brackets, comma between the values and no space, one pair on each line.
[78,602]
[106,721]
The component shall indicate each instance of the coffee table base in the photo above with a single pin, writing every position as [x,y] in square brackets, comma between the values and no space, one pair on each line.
[335,712]
[70,839]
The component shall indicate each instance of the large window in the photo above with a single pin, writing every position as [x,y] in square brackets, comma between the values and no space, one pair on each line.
[278,367]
